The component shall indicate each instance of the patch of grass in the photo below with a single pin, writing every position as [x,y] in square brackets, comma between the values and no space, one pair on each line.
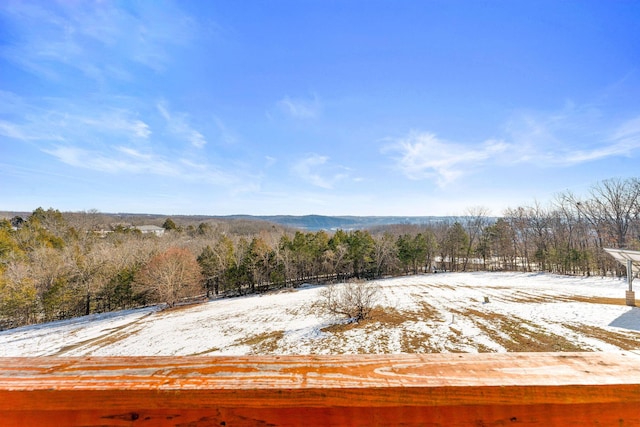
[339,327]
[519,335]
[429,312]
[387,316]
[484,349]
[513,333]
[456,332]
[208,351]
[264,343]
[597,300]
[393,317]
[625,341]
[383,319]
[417,342]
[526,298]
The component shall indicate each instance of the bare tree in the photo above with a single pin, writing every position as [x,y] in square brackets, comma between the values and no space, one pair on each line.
[335,260]
[612,208]
[384,251]
[354,299]
[538,221]
[171,275]
[476,221]
[522,234]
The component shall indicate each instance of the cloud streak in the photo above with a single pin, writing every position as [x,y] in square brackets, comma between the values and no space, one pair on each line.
[56,120]
[543,141]
[422,155]
[316,170]
[179,126]
[99,39]
[115,139]
[570,137]
[127,160]
[299,108]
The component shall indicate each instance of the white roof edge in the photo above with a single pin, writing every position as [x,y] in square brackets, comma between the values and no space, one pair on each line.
[624,255]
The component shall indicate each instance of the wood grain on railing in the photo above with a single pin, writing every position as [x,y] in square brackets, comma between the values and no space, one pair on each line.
[529,389]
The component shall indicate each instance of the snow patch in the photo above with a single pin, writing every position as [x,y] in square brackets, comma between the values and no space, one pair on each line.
[442,312]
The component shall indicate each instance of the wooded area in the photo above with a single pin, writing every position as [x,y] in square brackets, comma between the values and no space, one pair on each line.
[57,265]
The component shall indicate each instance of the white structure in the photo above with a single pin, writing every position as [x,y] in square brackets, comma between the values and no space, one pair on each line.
[630,259]
[150,229]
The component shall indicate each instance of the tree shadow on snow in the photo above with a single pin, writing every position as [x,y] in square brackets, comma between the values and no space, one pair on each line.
[629,320]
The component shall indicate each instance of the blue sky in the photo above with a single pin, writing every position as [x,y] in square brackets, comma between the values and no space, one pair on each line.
[314,106]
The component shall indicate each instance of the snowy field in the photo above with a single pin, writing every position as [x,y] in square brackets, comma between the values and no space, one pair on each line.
[450,312]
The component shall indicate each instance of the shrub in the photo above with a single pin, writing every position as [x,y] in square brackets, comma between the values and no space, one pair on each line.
[354,299]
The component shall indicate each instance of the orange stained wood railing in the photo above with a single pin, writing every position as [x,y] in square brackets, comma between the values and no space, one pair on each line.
[513,389]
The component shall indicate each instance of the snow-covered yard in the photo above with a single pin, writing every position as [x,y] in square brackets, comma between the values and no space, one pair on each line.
[450,312]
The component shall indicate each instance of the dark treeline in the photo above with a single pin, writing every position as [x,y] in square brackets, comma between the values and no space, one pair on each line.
[57,265]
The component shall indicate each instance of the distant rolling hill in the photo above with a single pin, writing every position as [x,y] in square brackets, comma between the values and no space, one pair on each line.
[305,222]
[321,222]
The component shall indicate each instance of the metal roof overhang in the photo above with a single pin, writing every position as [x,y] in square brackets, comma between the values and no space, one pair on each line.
[624,255]
[630,259]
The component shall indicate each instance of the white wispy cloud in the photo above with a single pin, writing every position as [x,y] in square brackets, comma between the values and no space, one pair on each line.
[423,155]
[136,154]
[99,39]
[623,141]
[15,131]
[300,108]
[571,136]
[109,137]
[226,135]
[316,170]
[628,131]
[118,160]
[564,138]
[626,137]
[118,121]
[270,161]
[178,125]
[55,120]
[121,159]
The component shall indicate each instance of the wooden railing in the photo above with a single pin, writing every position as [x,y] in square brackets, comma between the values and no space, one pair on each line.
[529,389]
